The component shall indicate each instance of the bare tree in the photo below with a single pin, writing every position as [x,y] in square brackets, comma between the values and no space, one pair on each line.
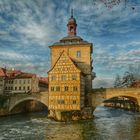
[127,79]
[118,81]
[135,71]
[133,74]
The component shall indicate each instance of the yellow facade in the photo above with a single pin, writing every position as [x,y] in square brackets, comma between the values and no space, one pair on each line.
[70,77]
[64,85]
[84,58]
[84,61]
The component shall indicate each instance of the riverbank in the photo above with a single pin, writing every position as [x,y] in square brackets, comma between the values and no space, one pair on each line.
[4,112]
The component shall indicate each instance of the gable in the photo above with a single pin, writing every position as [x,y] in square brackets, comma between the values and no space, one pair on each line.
[64,64]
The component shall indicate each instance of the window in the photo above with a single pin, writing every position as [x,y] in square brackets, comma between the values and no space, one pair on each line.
[63,77]
[53,78]
[24,88]
[15,88]
[15,81]
[28,81]
[66,88]
[24,81]
[19,81]
[74,101]
[75,88]
[60,101]
[52,88]
[74,77]
[19,88]
[78,54]
[57,88]
[28,88]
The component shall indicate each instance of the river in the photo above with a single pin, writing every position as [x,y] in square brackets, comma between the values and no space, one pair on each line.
[108,124]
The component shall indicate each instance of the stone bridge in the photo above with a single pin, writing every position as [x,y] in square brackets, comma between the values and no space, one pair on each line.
[16,99]
[98,96]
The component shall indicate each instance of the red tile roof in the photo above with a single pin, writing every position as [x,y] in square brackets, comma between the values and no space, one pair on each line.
[43,80]
[2,72]
[24,75]
[11,73]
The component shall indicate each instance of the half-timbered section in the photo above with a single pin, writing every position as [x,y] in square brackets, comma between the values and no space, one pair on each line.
[66,85]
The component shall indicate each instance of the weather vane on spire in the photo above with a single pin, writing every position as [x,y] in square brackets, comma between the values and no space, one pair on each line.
[72,12]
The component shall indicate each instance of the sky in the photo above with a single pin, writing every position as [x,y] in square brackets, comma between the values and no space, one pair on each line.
[28,27]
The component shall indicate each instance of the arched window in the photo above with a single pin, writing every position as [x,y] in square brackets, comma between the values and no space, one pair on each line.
[71,29]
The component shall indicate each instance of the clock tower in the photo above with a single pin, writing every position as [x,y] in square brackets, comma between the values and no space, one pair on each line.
[72,25]
[70,76]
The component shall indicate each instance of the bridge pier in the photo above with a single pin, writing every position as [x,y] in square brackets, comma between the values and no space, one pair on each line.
[74,115]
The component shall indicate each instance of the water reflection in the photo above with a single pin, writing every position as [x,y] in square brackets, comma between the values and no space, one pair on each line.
[108,124]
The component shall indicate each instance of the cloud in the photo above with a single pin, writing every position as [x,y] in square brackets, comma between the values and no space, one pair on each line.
[14,56]
[103,82]
[115,58]
[28,27]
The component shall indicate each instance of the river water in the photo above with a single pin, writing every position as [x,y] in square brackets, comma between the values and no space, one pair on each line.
[108,124]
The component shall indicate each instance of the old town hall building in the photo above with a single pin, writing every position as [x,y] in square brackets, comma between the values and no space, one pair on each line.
[70,76]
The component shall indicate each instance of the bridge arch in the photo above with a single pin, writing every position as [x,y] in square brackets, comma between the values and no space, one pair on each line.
[123,102]
[15,102]
[98,96]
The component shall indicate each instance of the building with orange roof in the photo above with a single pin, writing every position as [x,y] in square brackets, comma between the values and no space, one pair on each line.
[15,81]
[22,83]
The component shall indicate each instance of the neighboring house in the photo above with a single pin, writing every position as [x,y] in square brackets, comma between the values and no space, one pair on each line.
[16,81]
[22,83]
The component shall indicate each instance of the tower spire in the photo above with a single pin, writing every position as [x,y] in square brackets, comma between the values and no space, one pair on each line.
[71,12]
[72,25]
